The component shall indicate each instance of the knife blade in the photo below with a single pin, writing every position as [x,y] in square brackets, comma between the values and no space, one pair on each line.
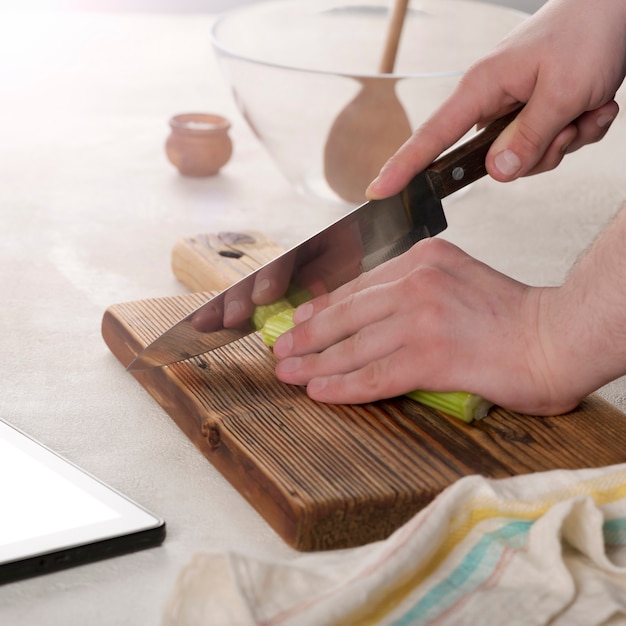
[367,236]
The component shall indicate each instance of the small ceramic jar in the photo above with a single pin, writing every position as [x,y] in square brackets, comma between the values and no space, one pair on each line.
[199,144]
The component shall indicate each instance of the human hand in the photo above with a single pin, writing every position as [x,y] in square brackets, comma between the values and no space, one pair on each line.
[565,63]
[435,319]
[321,264]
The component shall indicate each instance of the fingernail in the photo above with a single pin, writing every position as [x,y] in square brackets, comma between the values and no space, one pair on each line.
[283,346]
[260,287]
[232,311]
[372,184]
[316,385]
[604,120]
[508,163]
[288,366]
[303,313]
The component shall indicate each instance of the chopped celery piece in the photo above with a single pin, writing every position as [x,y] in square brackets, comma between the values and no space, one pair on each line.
[263,312]
[294,297]
[297,295]
[460,404]
[276,325]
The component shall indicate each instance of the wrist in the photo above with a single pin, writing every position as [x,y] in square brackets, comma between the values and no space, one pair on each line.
[555,350]
[583,322]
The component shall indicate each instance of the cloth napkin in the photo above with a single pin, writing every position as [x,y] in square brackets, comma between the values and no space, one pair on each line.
[546,548]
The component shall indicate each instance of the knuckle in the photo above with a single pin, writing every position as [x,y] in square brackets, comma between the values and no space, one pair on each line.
[433,316]
[343,309]
[304,337]
[304,332]
[425,279]
[359,283]
[429,249]
[319,303]
[528,138]
[373,378]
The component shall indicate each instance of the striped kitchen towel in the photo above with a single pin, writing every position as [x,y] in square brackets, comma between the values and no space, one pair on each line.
[547,548]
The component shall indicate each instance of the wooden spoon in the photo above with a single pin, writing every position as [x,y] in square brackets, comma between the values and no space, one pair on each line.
[371,128]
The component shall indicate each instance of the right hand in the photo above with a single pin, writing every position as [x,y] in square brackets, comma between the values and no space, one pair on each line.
[565,63]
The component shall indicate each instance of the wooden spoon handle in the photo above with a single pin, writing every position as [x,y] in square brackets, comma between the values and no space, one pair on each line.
[393,37]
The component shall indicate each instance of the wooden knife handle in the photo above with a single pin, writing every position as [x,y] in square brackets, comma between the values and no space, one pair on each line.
[466,164]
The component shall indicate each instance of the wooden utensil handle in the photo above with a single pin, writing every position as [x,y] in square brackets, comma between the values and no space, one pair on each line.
[396,23]
[466,164]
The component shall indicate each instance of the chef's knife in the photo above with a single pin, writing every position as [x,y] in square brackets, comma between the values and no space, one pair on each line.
[366,237]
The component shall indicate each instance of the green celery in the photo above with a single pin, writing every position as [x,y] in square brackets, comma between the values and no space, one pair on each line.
[276,325]
[297,295]
[461,404]
[293,298]
[264,312]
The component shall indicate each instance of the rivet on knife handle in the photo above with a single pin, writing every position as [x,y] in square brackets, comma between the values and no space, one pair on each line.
[465,164]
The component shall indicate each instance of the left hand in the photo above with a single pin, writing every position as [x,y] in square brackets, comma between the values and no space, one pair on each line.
[434,319]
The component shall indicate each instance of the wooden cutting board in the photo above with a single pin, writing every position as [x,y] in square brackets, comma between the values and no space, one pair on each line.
[331,476]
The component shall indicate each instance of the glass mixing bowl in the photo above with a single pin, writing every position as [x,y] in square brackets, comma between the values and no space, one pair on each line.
[295,65]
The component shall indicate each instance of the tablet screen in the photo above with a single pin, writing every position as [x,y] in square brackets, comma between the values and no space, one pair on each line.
[55,515]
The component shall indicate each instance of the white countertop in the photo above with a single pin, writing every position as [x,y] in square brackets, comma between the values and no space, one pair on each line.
[89,211]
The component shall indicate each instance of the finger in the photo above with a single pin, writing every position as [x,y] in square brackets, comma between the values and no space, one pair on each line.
[556,151]
[446,126]
[431,251]
[238,306]
[387,377]
[588,128]
[272,281]
[368,344]
[209,318]
[336,266]
[358,387]
[525,141]
[362,282]
[593,125]
[334,323]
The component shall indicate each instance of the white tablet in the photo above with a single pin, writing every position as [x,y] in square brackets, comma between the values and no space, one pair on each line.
[53,515]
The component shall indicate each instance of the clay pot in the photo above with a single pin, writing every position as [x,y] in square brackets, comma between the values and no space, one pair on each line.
[199,144]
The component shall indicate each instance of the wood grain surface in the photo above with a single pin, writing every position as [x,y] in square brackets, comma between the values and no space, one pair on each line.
[333,476]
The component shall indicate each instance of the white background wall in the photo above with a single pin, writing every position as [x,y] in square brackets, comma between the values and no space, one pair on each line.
[183,6]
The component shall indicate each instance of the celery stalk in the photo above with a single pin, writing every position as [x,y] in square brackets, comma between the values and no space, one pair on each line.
[264,312]
[297,295]
[276,325]
[460,404]
[294,297]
